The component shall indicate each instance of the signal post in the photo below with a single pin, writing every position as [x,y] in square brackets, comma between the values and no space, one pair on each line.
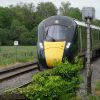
[88,14]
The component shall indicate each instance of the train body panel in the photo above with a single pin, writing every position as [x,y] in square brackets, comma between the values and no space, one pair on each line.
[60,37]
[53,52]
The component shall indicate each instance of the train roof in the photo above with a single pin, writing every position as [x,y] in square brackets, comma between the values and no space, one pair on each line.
[64,20]
[85,25]
[58,19]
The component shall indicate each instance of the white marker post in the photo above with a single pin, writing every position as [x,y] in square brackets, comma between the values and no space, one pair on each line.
[16,44]
[88,14]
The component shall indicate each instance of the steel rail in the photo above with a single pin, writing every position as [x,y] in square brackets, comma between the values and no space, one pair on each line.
[16,70]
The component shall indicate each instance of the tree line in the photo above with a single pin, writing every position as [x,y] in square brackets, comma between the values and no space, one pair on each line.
[20,22]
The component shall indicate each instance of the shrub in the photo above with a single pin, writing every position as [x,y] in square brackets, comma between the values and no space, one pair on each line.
[61,81]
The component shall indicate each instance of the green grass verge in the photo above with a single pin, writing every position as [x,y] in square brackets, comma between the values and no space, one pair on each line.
[12,54]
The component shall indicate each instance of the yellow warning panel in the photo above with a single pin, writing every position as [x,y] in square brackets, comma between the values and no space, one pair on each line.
[53,52]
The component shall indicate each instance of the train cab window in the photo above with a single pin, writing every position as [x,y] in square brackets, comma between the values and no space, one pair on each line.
[56,33]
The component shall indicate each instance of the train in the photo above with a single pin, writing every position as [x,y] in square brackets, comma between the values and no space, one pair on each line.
[64,37]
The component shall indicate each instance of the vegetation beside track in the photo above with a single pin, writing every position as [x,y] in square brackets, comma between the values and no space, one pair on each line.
[59,83]
[12,54]
[96,93]
[97,89]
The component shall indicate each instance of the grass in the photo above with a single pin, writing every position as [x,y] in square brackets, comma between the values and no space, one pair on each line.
[97,88]
[11,54]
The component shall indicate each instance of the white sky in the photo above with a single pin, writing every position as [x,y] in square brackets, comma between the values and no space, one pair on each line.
[74,3]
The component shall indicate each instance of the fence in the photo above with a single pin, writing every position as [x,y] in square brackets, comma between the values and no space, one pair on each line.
[13,54]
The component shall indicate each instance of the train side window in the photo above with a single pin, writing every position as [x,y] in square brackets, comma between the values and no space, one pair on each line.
[84,38]
[80,38]
[91,39]
[99,36]
[95,39]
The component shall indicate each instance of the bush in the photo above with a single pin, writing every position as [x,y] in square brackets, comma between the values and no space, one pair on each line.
[61,81]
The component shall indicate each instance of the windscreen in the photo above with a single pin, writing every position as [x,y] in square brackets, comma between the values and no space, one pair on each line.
[57,33]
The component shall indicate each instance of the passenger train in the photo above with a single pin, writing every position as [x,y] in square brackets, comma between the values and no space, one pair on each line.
[62,36]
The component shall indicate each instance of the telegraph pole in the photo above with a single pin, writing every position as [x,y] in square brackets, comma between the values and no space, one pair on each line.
[88,14]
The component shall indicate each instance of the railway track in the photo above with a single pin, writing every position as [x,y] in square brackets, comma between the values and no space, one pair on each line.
[17,70]
[17,76]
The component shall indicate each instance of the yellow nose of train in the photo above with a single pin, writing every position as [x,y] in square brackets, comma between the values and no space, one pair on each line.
[53,52]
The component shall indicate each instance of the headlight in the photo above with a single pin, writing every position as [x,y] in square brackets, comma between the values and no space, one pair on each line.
[68,45]
[41,45]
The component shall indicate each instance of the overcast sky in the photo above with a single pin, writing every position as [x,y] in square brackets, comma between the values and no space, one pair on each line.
[74,3]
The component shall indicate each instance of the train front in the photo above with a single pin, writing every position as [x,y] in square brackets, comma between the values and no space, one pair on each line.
[55,38]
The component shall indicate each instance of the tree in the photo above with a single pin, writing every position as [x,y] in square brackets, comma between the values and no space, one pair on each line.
[6,17]
[17,29]
[66,10]
[4,35]
[29,38]
[34,33]
[20,22]
[96,22]
[25,14]
[45,10]
[75,13]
